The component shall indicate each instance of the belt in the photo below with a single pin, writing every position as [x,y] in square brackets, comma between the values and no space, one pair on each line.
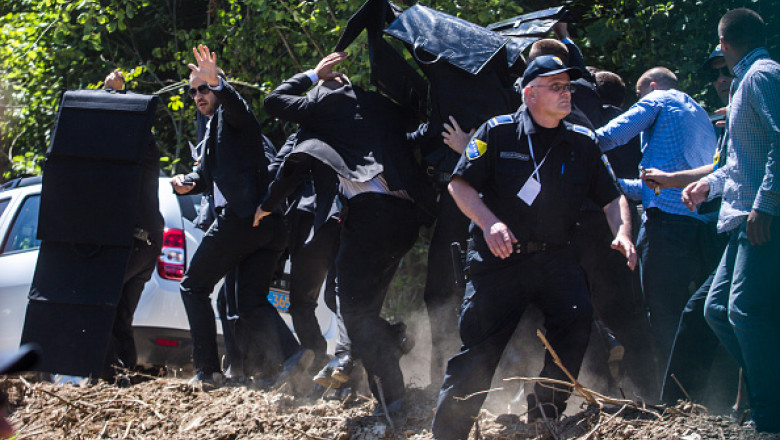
[526,247]
[532,247]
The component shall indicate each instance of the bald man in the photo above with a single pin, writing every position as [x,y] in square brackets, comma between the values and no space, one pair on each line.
[677,247]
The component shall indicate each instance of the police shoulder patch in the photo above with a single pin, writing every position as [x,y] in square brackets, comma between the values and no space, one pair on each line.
[584,131]
[499,120]
[475,148]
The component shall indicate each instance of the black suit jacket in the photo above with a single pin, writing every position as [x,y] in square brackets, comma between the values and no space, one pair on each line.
[234,156]
[357,133]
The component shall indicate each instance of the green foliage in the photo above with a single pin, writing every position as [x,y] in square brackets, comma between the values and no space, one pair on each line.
[629,37]
[49,46]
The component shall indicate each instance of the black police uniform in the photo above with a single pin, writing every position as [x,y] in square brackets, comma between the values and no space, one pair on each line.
[497,163]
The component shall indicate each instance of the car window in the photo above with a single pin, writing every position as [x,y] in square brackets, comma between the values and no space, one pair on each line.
[24,230]
[4,204]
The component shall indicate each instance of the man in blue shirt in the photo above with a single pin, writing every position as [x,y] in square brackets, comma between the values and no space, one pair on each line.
[743,303]
[673,243]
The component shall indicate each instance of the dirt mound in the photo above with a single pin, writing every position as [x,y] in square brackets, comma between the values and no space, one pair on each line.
[169,409]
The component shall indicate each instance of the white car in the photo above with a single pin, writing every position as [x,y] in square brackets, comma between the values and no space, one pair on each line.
[160,322]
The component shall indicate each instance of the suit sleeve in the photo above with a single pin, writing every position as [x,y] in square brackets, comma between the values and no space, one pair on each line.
[236,111]
[291,173]
[286,102]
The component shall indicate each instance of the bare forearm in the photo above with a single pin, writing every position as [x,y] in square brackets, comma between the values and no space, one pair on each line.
[468,200]
[681,179]
[618,215]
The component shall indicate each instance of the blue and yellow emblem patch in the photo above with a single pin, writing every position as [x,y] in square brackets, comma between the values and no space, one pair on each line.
[475,149]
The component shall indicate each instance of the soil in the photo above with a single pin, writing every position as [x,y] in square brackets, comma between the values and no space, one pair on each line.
[167,408]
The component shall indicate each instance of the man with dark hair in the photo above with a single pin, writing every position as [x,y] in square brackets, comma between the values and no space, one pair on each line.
[235,170]
[676,135]
[522,181]
[611,88]
[743,302]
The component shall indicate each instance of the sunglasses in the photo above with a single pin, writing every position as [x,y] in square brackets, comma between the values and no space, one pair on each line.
[203,89]
[558,88]
[714,74]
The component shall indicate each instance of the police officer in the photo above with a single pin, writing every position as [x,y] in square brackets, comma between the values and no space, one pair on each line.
[533,172]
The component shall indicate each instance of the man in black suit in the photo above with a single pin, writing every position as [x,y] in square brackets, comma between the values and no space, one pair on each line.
[235,170]
[361,136]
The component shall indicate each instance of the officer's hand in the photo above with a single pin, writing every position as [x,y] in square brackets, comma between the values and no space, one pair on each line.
[500,240]
[758,227]
[259,214]
[625,246]
[655,178]
[180,185]
[324,69]
[695,193]
[455,137]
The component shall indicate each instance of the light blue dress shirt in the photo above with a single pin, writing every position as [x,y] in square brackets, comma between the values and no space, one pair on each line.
[676,134]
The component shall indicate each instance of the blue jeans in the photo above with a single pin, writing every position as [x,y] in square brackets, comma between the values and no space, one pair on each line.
[742,310]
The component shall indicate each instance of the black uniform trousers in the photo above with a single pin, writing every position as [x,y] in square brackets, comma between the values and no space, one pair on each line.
[378,230]
[232,242]
[496,297]
[310,261]
[442,296]
[140,266]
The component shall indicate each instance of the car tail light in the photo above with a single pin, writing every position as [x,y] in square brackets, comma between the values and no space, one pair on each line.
[172,262]
[166,342]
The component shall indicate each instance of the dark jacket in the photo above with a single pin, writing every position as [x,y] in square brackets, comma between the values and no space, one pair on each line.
[357,133]
[234,156]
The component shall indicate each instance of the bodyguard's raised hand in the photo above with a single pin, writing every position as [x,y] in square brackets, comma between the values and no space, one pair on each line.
[207,65]
[324,69]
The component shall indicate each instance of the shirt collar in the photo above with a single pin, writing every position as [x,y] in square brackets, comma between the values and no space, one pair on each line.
[744,64]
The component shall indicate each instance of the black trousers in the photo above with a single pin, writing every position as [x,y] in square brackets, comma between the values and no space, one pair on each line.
[442,296]
[378,230]
[232,242]
[140,266]
[496,297]
[310,260]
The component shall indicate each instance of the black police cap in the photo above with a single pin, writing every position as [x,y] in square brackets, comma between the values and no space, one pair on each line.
[548,65]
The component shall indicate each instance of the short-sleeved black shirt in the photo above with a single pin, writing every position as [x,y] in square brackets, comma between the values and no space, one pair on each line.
[497,163]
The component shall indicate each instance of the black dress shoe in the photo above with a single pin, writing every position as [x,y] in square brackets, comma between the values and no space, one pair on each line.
[207,380]
[294,370]
[343,368]
[395,409]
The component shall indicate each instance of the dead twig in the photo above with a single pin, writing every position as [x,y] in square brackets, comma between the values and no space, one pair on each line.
[687,396]
[82,405]
[577,386]
[600,424]
[478,393]
[382,402]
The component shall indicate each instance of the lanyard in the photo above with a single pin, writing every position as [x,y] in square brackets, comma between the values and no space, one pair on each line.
[535,173]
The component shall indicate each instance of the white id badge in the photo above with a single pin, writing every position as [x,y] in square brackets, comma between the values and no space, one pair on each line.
[530,190]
